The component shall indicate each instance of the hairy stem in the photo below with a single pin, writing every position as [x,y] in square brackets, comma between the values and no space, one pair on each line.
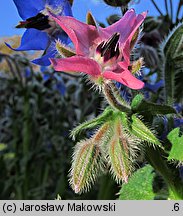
[169,76]
[112,100]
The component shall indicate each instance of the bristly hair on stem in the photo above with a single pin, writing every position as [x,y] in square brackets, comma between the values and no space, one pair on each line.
[109,95]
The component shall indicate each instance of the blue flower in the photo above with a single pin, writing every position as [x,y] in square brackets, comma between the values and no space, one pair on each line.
[178,122]
[154,87]
[59,83]
[178,107]
[41,31]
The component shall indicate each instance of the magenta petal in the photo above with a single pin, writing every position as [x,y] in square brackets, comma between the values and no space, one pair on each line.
[126,26]
[123,26]
[125,77]
[126,53]
[138,21]
[77,64]
[81,34]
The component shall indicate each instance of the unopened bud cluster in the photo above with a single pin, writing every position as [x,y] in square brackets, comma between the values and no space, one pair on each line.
[117,3]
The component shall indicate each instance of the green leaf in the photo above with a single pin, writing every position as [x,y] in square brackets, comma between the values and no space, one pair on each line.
[140,105]
[139,186]
[176,152]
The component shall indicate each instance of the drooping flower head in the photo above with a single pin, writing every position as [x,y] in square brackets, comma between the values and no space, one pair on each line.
[102,53]
[42,31]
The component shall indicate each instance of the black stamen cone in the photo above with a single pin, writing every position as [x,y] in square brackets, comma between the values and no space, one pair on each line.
[39,22]
[110,48]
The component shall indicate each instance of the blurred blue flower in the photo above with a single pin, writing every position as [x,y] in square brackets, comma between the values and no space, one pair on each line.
[178,122]
[168,126]
[178,107]
[59,83]
[41,31]
[27,72]
[154,87]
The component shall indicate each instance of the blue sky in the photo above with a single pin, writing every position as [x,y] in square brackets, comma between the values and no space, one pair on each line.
[9,16]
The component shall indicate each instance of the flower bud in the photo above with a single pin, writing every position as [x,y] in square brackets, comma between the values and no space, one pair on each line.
[121,152]
[86,165]
[113,18]
[117,3]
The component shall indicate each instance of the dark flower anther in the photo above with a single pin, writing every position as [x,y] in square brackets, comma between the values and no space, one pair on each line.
[39,22]
[110,48]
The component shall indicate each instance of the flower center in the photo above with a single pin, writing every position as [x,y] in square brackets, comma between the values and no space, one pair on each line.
[110,48]
[107,53]
[42,21]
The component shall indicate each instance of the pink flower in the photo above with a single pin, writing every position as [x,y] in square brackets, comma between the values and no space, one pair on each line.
[101,52]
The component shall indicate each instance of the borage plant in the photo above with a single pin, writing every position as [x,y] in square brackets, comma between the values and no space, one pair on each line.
[124,131]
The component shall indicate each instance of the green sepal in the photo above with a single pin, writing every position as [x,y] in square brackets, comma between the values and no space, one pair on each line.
[140,105]
[134,39]
[119,151]
[139,129]
[101,119]
[90,20]
[124,120]
[86,165]
[63,50]
[176,152]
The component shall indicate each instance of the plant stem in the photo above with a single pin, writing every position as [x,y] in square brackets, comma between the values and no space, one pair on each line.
[116,92]
[157,8]
[108,188]
[26,140]
[13,65]
[112,100]
[169,76]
